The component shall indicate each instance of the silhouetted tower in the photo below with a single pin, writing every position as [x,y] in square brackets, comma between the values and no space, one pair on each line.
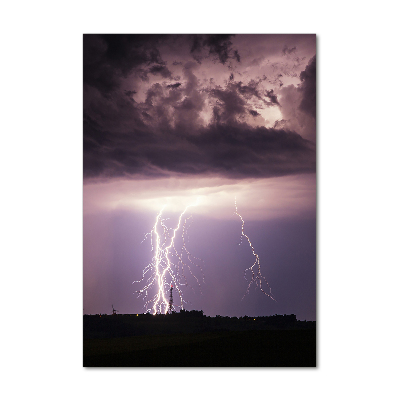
[114,310]
[170,299]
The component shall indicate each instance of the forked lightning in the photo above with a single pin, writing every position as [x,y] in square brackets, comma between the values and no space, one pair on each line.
[256,277]
[163,273]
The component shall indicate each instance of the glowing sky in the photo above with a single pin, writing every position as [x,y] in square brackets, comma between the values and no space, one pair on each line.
[172,118]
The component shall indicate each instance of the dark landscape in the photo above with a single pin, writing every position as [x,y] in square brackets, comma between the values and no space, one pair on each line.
[190,339]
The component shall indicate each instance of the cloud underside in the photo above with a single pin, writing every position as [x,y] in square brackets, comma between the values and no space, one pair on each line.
[230,151]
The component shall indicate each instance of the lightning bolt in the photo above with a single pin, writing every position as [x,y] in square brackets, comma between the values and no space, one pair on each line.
[163,268]
[256,277]
[168,265]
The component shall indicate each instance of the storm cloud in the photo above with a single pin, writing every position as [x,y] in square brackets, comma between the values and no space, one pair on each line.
[149,111]
[219,47]
[234,151]
[109,58]
[308,88]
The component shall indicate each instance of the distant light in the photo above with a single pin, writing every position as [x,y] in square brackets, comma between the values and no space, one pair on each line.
[254,319]
[137,315]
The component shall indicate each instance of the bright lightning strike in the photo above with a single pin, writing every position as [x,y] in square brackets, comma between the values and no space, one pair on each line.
[255,269]
[167,268]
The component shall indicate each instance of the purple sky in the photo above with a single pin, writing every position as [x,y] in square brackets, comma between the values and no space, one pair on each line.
[172,119]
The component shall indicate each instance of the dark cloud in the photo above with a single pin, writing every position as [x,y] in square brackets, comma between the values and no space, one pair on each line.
[108,58]
[287,50]
[254,113]
[251,90]
[308,88]
[229,104]
[280,124]
[174,85]
[234,151]
[219,46]
[232,101]
[130,93]
[248,90]
[272,96]
[160,69]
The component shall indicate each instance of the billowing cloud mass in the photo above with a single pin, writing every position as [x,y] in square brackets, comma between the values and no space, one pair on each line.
[309,88]
[162,105]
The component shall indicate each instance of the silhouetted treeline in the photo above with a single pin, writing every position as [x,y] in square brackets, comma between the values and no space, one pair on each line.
[120,325]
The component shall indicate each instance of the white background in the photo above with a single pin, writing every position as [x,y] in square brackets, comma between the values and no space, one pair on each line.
[358,212]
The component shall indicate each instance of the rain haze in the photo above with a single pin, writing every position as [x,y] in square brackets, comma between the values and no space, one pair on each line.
[218,121]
